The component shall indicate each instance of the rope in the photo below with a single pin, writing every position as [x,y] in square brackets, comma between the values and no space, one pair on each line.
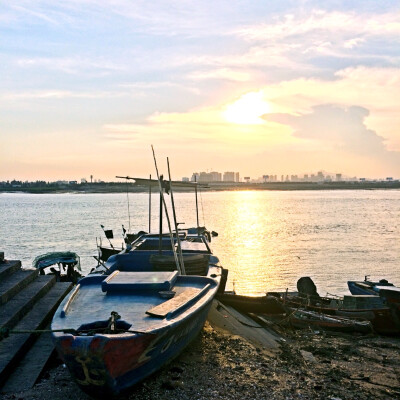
[110,328]
[5,332]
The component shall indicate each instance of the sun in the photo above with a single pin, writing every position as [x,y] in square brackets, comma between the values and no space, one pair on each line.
[247,110]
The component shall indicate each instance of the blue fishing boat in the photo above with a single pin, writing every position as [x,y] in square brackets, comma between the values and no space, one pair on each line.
[367,287]
[115,330]
[124,322]
[388,292]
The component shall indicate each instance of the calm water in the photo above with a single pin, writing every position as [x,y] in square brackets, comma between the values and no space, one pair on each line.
[267,240]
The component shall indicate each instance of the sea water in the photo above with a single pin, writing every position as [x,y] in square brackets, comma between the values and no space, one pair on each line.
[267,239]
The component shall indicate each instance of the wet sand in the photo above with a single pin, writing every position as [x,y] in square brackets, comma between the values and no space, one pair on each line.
[220,365]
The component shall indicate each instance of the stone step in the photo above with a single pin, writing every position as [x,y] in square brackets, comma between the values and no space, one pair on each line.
[14,347]
[15,282]
[12,311]
[29,369]
[8,267]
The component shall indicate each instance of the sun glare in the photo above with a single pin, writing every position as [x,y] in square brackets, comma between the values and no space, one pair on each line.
[247,110]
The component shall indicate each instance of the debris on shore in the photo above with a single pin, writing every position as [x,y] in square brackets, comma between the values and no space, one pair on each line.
[219,365]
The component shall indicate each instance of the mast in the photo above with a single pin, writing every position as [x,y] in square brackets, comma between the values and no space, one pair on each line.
[160,221]
[150,205]
[197,205]
[178,266]
[178,240]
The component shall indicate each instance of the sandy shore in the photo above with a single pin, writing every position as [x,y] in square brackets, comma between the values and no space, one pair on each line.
[219,365]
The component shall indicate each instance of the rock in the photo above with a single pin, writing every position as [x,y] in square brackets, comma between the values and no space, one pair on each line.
[177,369]
[308,356]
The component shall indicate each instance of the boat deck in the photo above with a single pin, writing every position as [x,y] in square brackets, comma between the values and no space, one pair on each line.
[131,295]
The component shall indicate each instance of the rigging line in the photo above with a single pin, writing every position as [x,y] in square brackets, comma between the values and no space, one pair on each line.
[129,212]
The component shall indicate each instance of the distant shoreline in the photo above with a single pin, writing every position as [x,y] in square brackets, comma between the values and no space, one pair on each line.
[211,187]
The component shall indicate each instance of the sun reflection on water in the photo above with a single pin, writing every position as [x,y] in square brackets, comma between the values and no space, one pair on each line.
[266,239]
[251,254]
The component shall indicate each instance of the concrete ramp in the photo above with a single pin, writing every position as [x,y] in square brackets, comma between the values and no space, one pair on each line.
[27,303]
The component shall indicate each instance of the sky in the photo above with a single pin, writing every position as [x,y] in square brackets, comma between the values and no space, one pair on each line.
[288,87]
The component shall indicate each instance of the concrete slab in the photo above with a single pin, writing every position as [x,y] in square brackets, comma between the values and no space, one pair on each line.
[12,311]
[14,283]
[13,348]
[28,371]
[9,267]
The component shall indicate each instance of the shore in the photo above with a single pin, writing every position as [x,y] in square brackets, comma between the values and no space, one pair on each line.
[113,187]
[220,365]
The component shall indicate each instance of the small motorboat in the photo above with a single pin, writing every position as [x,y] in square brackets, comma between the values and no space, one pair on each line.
[311,319]
[65,265]
[362,307]
[252,304]
[367,287]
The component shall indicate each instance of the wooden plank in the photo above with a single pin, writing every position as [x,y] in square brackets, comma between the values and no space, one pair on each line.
[163,309]
[230,320]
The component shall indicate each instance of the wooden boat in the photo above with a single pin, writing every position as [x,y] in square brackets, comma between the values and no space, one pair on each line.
[249,304]
[367,287]
[126,320]
[65,265]
[113,331]
[388,292]
[149,252]
[105,252]
[311,319]
[364,307]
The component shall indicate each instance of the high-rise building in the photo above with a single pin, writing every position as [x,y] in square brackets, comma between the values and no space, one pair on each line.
[195,177]
[229,177]
[237,177]
[216,176]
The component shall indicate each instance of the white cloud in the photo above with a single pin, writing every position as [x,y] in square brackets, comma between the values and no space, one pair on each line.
[70,65]
[221,73]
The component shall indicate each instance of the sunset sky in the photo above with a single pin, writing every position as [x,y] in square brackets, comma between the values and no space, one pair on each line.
[282,87]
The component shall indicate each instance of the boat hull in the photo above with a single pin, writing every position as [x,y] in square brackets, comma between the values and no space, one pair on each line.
[111,364]
[261,304]
[309,319]
[382,319]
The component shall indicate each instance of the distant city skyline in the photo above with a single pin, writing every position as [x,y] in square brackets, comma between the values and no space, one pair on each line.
[256,87]
[230,177]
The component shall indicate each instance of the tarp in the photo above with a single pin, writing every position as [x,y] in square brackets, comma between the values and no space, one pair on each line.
[45,260]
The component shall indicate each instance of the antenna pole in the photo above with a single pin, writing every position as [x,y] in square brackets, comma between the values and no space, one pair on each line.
[197,205]
[150,205]
[178,240]
[160,224]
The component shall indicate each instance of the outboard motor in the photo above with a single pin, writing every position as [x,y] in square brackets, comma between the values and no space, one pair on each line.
[307,288]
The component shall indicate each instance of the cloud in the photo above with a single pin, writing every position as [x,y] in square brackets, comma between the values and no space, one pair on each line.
[70,65]
[323,22]
[220,73]
[342,127]
[59,95]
